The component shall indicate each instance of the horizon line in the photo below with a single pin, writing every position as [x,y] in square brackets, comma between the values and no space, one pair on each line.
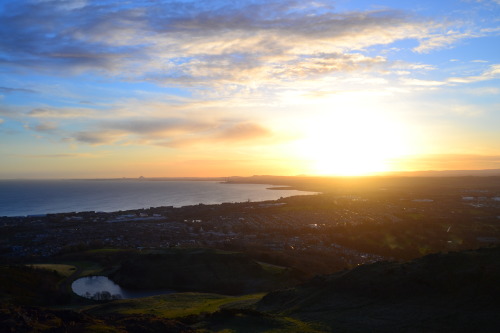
[415,173]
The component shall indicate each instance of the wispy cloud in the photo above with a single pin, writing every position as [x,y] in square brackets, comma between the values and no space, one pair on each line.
[242,132]
[61,112]
[97,137]
[440,40]
[162,126]
[44,126]
[52,156]
[491,73]
[15,90]
[423,83]
[173,132]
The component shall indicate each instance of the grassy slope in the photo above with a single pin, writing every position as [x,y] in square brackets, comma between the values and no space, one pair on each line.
[64,270]
[175,305]
[29,285]
[208,312]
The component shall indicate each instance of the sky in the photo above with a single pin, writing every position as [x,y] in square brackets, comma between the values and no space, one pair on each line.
[159,88]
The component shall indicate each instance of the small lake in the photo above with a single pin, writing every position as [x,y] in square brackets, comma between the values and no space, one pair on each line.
[102,288]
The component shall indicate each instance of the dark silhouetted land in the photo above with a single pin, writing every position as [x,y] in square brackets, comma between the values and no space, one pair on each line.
[379,254]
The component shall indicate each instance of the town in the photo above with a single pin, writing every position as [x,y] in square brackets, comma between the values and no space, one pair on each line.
[319,234]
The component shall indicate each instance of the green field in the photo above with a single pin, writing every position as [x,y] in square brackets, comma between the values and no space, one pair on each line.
[208,307]
[176,305]
[273,269]
[264,324]
[64,270]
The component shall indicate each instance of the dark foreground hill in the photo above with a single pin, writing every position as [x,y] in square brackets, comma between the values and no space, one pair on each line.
[454,292]
[25,319]
[201,270]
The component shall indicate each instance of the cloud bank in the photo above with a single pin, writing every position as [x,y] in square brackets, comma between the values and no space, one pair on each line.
[204,43]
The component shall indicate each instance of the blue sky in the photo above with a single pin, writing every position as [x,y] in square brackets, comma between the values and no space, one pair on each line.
[216,88]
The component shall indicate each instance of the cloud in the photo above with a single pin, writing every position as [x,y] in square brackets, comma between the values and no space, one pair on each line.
[242,132]
[165,126]
[440,41]
[423,83]
[13,90]
[1,121]
[491,73]
[173,132]
[488,2]
[56,156]
[97,137]
[227,134]
[205,43]
[61,112]
[44,126]
[484,91]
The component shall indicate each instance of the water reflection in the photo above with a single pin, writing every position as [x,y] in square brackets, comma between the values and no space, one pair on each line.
[102,288]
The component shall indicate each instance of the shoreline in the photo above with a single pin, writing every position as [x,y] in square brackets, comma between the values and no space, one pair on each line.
[83,206]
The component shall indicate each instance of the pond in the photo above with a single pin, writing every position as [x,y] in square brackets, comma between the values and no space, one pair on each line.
[102,288]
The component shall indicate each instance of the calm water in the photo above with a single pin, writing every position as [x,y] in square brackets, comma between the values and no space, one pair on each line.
[90,285]
[29,197]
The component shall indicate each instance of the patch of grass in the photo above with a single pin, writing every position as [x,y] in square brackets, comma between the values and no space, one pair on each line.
[273,269]
[296,325]
[244,323]
[175,305]
[102,328]
[64,270]
[25,284]
[88,268]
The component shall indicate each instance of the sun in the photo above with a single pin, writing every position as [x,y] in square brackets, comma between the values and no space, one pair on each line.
[351,143]
[348,165]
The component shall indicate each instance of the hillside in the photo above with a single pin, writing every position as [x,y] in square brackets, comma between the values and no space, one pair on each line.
[436,293]
[31,286]
[201,270]
[452,292]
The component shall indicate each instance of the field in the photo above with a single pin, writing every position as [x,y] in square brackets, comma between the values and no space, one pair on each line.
[218,313]
[64,270]
[176,305]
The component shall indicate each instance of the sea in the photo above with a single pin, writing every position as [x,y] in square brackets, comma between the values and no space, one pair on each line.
[36,197]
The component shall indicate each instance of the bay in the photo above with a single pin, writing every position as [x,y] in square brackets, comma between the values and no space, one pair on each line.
[32,197]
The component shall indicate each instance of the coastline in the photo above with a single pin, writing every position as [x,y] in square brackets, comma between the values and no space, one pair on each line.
[36,198]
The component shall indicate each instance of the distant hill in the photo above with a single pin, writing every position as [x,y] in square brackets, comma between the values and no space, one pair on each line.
[447,173]
[422,181]
[454,292]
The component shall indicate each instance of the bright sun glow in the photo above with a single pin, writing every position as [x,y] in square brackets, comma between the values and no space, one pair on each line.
[352,143]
